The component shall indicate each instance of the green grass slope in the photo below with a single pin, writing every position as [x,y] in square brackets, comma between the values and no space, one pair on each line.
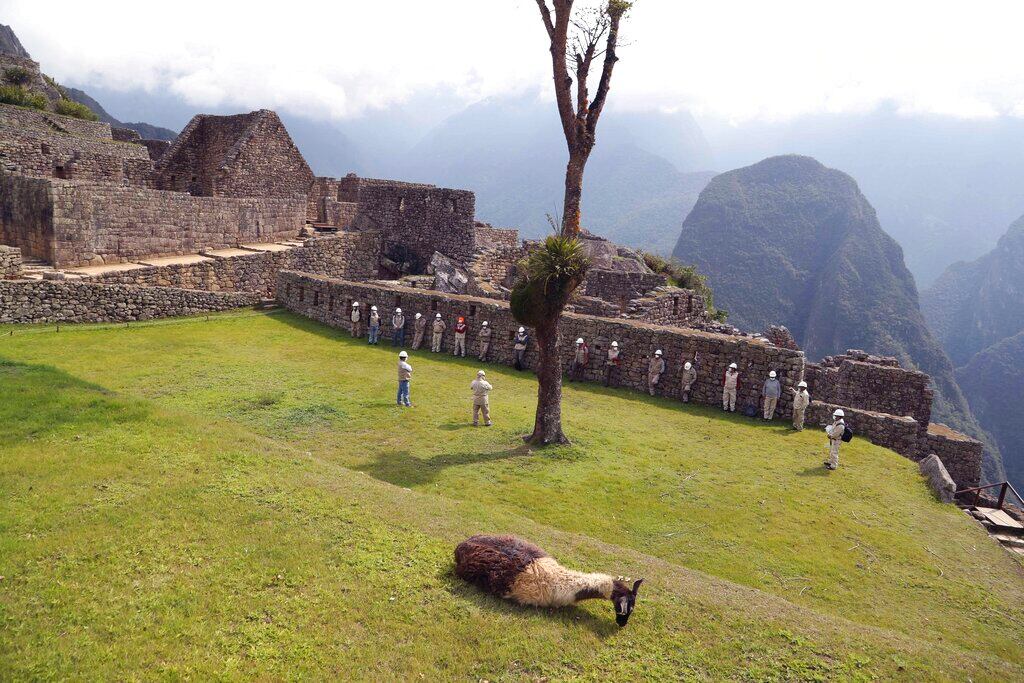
[240,498]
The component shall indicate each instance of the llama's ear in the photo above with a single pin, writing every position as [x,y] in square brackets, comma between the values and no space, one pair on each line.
[636,585]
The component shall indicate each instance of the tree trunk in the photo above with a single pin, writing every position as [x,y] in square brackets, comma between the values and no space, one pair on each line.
[547,426]
[573,192]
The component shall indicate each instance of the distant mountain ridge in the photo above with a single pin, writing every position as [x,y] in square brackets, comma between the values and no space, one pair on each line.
[789,241]
[976,310]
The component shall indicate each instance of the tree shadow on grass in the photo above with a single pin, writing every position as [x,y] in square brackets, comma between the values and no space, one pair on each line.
[567,616]
[401,468]
[40,399]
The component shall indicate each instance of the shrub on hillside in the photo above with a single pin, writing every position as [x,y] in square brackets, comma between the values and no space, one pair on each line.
[18,96]
[17,75]
[687,277]
[75,109]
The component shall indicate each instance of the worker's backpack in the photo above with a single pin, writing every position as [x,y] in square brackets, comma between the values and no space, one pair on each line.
[847,434]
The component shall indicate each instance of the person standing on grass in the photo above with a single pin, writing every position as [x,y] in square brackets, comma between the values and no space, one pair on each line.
[689,377]
[771,391]
[580,358]
[801,399]
[419,327]
[438,331]
[655,369]
[730,388]
[835,433]
[519,344]
[398,328]
[404,377]
[613,361]
[374,325]
[460,337]
[485,340]
[357,320]
[481,403]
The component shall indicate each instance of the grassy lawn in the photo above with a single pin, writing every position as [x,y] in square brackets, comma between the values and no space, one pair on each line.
[241,498]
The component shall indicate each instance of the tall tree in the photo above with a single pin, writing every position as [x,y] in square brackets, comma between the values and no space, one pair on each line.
[579,38]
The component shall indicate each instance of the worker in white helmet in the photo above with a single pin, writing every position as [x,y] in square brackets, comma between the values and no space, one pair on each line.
[398,328]
[437,329]
[485,340]
[519,345]
[374,326]
[481,403]
[835,433]
[580,358]
[404,378]
[419,328]
[801,399]
[613,361]
[730,388]
[357,320]
[655,369]
[771,392]
[689,377]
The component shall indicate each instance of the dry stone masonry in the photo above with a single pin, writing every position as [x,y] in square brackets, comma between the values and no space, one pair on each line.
[116,228]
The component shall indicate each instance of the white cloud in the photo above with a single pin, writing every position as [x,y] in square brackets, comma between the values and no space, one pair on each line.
[740,60]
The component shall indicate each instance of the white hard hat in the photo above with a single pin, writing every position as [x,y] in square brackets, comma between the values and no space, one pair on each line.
[484,324]
[838,413]
[687,365]
[658,352]
[373,308]
[438,316]
[615,344]
[522,329]
[733,366]
[398,310]
[355,304]
[480,373]
[419,315]
[802,385]
[580,340]
[772,374]
[403,354]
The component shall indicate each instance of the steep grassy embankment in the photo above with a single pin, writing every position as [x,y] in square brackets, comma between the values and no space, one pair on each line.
[241,498]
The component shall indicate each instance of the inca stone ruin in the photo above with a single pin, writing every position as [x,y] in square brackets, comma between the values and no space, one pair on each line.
[98,225]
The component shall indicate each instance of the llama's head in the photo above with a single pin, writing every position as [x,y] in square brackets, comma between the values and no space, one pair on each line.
[624,599]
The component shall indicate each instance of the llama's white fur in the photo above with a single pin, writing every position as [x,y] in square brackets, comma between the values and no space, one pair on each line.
[545,583]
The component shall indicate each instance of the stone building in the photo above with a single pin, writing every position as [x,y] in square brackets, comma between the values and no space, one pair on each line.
[244,155]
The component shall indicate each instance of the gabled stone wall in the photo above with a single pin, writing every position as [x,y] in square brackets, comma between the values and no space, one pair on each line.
[245,155]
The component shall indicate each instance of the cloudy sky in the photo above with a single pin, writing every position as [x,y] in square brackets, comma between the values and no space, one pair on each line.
[737,60]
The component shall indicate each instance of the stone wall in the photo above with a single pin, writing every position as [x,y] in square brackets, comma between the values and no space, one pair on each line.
[871,383]
[94,223]
[492,269]
[47,145]
[345,255]
[620,287]
[10,262]
[245,155]
[668,306]
[489,237]
[329,300]
[156,148]
[44,301]
[415,219]
[26,215]
[960,454]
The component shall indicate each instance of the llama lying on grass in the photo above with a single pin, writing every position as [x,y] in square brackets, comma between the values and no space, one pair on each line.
[517,570]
